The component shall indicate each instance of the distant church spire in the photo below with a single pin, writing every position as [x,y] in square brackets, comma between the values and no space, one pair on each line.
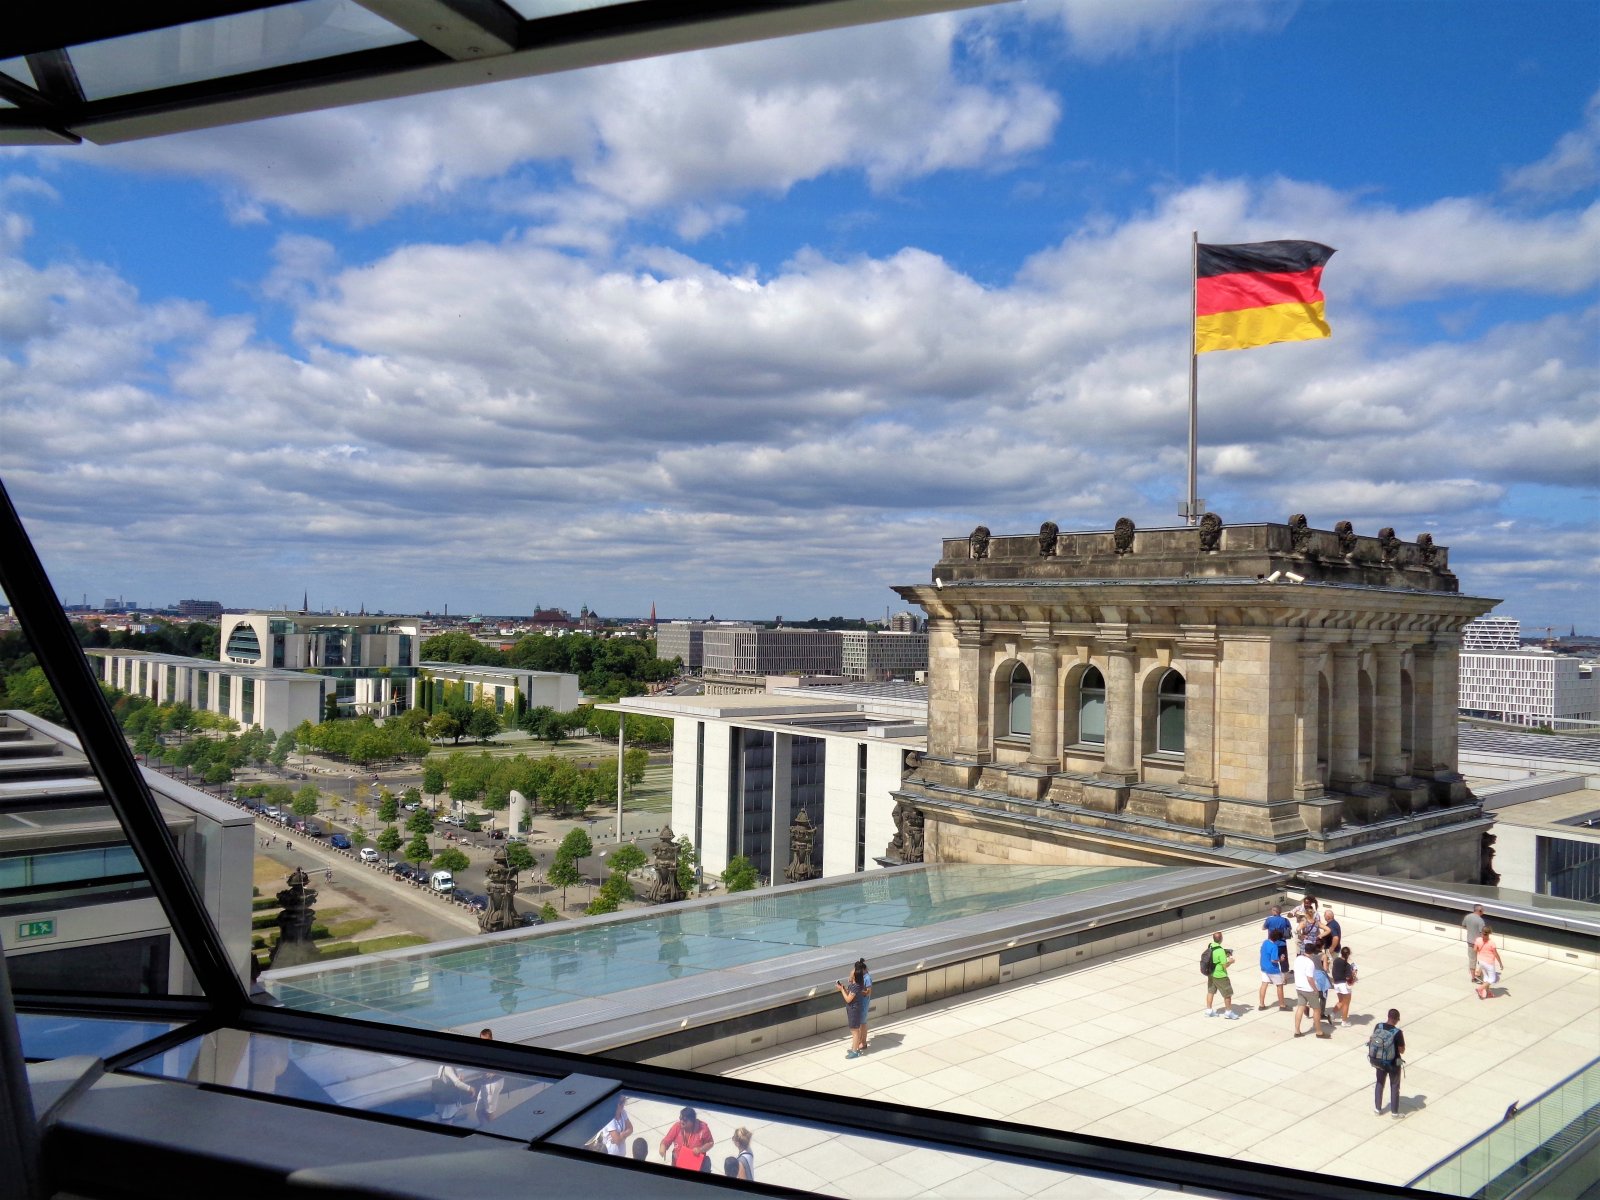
[305,602]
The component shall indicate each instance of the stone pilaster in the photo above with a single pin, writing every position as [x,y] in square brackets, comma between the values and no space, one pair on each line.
[1388,759]
[1345,768]
[973,743]
[1308,717]
[1044,750]
[1199,715]
[1424,704]
[1121,762]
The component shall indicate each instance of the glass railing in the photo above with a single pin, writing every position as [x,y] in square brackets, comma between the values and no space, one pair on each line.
[1528,1141]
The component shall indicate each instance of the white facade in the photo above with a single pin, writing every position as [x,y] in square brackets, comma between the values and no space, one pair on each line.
[1528,687]
[874,655]
[742,766]
[756,650]
[500,687]
[372,659]
[276,700]
[1491,633]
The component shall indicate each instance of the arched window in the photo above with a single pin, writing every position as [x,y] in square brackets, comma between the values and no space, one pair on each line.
[1092,707]
[1019,704]
[1169,714]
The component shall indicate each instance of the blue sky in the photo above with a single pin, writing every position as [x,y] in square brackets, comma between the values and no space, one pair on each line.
[747,331]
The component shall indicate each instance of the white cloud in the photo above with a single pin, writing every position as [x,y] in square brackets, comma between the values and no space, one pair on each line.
[1572,166]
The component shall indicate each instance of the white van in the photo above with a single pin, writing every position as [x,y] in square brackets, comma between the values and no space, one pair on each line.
[442,881]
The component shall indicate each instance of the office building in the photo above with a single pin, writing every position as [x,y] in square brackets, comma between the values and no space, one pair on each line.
[260,696]
[757,650]
[371,660]
[873,655]
[1503,680]
[510,691]
[205,610]
[1491,633]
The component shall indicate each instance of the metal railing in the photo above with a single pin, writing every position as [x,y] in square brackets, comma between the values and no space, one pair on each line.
[1497,1163]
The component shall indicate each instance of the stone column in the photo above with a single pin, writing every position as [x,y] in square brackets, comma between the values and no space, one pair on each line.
[1424,703]
[1199,720]
[1121,762]
[1346,698]
[972,693]
[1044,750]
[1446,706]
[1388,761]
[1308,779]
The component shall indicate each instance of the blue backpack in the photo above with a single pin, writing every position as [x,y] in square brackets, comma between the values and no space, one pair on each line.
[1380,1047]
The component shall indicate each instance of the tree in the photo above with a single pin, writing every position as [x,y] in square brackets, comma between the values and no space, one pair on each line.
[483,724]
[389,840]
[443,725]
[411,796]
[458,646]
[420,822]
[305,801]
[451,859]
[330,707]
[432,777]
[358,837]
[688,862]
[519,857]
[281,749]
[548,913]
[418,851]
[739,875]
[634,762]
[564,872]
[627,857]
[388,806]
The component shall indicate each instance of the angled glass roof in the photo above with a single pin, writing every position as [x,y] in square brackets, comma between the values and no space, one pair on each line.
[80,69]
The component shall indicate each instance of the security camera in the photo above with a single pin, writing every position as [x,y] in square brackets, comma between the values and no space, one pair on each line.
[1293,578]
[938,583]
[1274,577]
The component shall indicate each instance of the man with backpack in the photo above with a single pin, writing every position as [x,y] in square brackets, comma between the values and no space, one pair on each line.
[1385,1050]
[1214,962]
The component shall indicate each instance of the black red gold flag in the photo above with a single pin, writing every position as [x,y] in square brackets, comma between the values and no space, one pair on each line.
[1258,293]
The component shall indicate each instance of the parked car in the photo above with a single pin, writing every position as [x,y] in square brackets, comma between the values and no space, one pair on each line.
[404,870]
[340,841]
[529,918]
[476,901]
[315,830]
[368,854]
[273,811]
[442,881]
[497,834]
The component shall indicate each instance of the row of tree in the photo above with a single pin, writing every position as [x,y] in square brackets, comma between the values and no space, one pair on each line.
[606,667]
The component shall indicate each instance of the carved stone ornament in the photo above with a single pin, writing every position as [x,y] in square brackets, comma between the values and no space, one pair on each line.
[1427,551]
[1210,532]
[978,542]
[1388,544]
[906,845]
[1346,533]
[298,913]
[1049,533]
[913,760]
[664,888]
[1487,875]
[1122,535]
[802,839]
[1299,535]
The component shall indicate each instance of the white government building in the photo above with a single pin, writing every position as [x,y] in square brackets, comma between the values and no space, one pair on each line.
[1503,680]
[273,699]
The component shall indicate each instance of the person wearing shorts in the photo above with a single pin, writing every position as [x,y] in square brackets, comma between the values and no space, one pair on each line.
[1305,989]
[1344,974]
[1271,972]
[1218,983]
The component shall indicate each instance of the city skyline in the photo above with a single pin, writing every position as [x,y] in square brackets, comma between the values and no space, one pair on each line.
[751,330]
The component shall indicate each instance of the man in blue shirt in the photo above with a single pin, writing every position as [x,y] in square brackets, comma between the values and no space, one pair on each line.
[1271,971]
[1278,924]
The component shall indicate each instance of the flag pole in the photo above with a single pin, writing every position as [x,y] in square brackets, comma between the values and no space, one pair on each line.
[1191,510]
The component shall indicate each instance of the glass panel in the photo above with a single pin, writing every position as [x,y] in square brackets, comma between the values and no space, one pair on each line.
[18,69]
[1021,710]
[1169,725]
[46,1035]
[1092,717]
[532,10]
[488,1101]
[816,1157]
[231,45]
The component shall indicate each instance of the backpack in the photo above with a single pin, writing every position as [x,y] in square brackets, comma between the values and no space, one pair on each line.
[1206,965]
[1380,1047]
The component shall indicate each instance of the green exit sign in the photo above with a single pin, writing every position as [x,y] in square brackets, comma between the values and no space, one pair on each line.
[35,929]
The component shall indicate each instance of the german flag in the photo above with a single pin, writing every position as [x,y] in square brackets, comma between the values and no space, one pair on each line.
[1258,293]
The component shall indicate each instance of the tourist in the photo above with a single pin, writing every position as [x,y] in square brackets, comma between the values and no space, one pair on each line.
[450,1092]
[1488,959]
[1332,933]
[690,1141]
[1278,924]
[746,1159]
[1271,970]
[1385,1049]
[1305,990]
[1473,923]
[1218,983]
[641,1149]
[1308,926]
[1344,974]
[613,1136]
[857,992]
[489,1084]
[1324,985]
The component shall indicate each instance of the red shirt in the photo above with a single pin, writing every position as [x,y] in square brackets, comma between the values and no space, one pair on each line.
[692,1142]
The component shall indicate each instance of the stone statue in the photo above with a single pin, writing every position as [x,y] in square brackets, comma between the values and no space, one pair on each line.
[1049,534]
[1122,535]
[1427,551]
[294,922]
[502,911]
[906,845]
[1388,544]
[1299,535]
[664,888]
[1210,532]
[1487,875]
[913,760]
[978,542]
[1346,533]
[802,840]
